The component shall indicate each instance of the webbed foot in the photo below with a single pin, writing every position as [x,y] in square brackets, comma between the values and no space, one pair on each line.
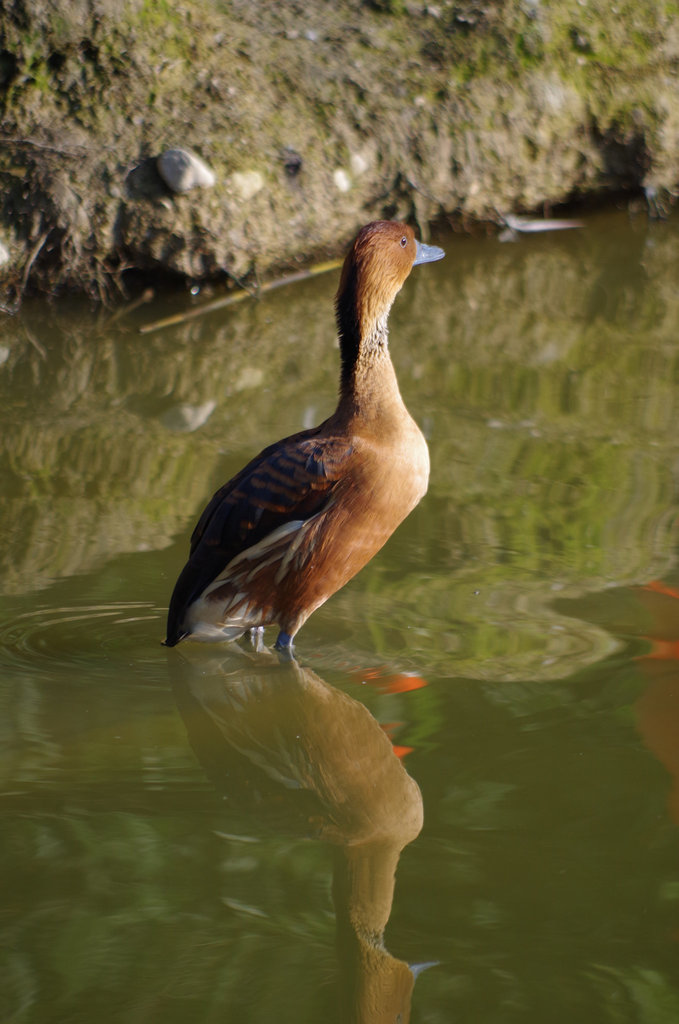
[284,647]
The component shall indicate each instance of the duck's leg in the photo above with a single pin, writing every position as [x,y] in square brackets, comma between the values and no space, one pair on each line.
[284,646]
[257,638]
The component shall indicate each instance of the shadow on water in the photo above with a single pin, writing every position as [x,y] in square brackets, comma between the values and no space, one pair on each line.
[298,757]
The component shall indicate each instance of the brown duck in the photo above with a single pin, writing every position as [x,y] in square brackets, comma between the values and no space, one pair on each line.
[309,511]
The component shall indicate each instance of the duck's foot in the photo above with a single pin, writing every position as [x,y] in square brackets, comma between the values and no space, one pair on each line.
[284,647]
[257,639]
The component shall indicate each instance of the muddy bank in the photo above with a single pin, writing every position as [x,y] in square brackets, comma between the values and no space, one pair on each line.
[314,118]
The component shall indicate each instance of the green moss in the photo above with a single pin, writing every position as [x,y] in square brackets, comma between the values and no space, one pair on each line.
[529,49]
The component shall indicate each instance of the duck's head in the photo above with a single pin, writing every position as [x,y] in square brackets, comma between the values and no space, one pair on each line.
[379,261]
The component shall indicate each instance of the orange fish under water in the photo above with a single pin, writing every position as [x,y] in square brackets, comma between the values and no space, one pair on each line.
[657,709]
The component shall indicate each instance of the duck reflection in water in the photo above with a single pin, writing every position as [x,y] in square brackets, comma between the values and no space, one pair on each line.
[314,762]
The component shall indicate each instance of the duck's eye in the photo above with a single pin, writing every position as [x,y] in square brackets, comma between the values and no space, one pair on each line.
[404,242]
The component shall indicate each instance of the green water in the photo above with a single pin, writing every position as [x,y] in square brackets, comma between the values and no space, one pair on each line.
[205,835]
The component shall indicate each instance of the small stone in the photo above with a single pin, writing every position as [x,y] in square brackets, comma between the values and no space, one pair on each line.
[359,164]
[247,183]
[342,180]
[292,161]
[181,171]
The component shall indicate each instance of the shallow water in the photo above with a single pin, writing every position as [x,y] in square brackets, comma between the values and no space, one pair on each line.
[202,834]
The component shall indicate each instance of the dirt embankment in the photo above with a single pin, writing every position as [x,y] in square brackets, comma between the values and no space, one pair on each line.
[314,117]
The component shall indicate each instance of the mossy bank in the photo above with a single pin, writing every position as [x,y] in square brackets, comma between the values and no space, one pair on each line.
[315,117]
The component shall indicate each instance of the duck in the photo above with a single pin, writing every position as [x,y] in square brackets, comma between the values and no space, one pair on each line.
[311,510]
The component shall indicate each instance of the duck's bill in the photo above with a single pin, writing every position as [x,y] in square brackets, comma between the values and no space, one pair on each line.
[427,253]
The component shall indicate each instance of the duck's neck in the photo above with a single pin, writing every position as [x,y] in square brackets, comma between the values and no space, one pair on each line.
[368,385]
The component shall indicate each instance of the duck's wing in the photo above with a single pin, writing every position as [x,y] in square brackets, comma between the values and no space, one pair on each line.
[290,481]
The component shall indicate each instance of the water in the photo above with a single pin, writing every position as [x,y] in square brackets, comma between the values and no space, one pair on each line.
[201,834]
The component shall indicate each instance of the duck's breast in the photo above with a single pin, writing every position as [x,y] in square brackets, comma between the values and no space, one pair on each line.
[395,467]
[389,476]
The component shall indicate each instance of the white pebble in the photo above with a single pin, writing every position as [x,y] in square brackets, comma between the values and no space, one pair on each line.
[359,164]
[247,183]
[181,171]
[342,180]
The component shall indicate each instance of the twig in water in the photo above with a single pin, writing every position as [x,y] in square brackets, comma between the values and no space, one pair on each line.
[32,256]
[34,342]
[228,300]
[147,296]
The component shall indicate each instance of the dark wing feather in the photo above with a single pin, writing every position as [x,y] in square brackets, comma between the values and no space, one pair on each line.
[292,479]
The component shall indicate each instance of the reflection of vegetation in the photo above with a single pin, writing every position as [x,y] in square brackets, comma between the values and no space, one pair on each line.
[133,890]
[140,932]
